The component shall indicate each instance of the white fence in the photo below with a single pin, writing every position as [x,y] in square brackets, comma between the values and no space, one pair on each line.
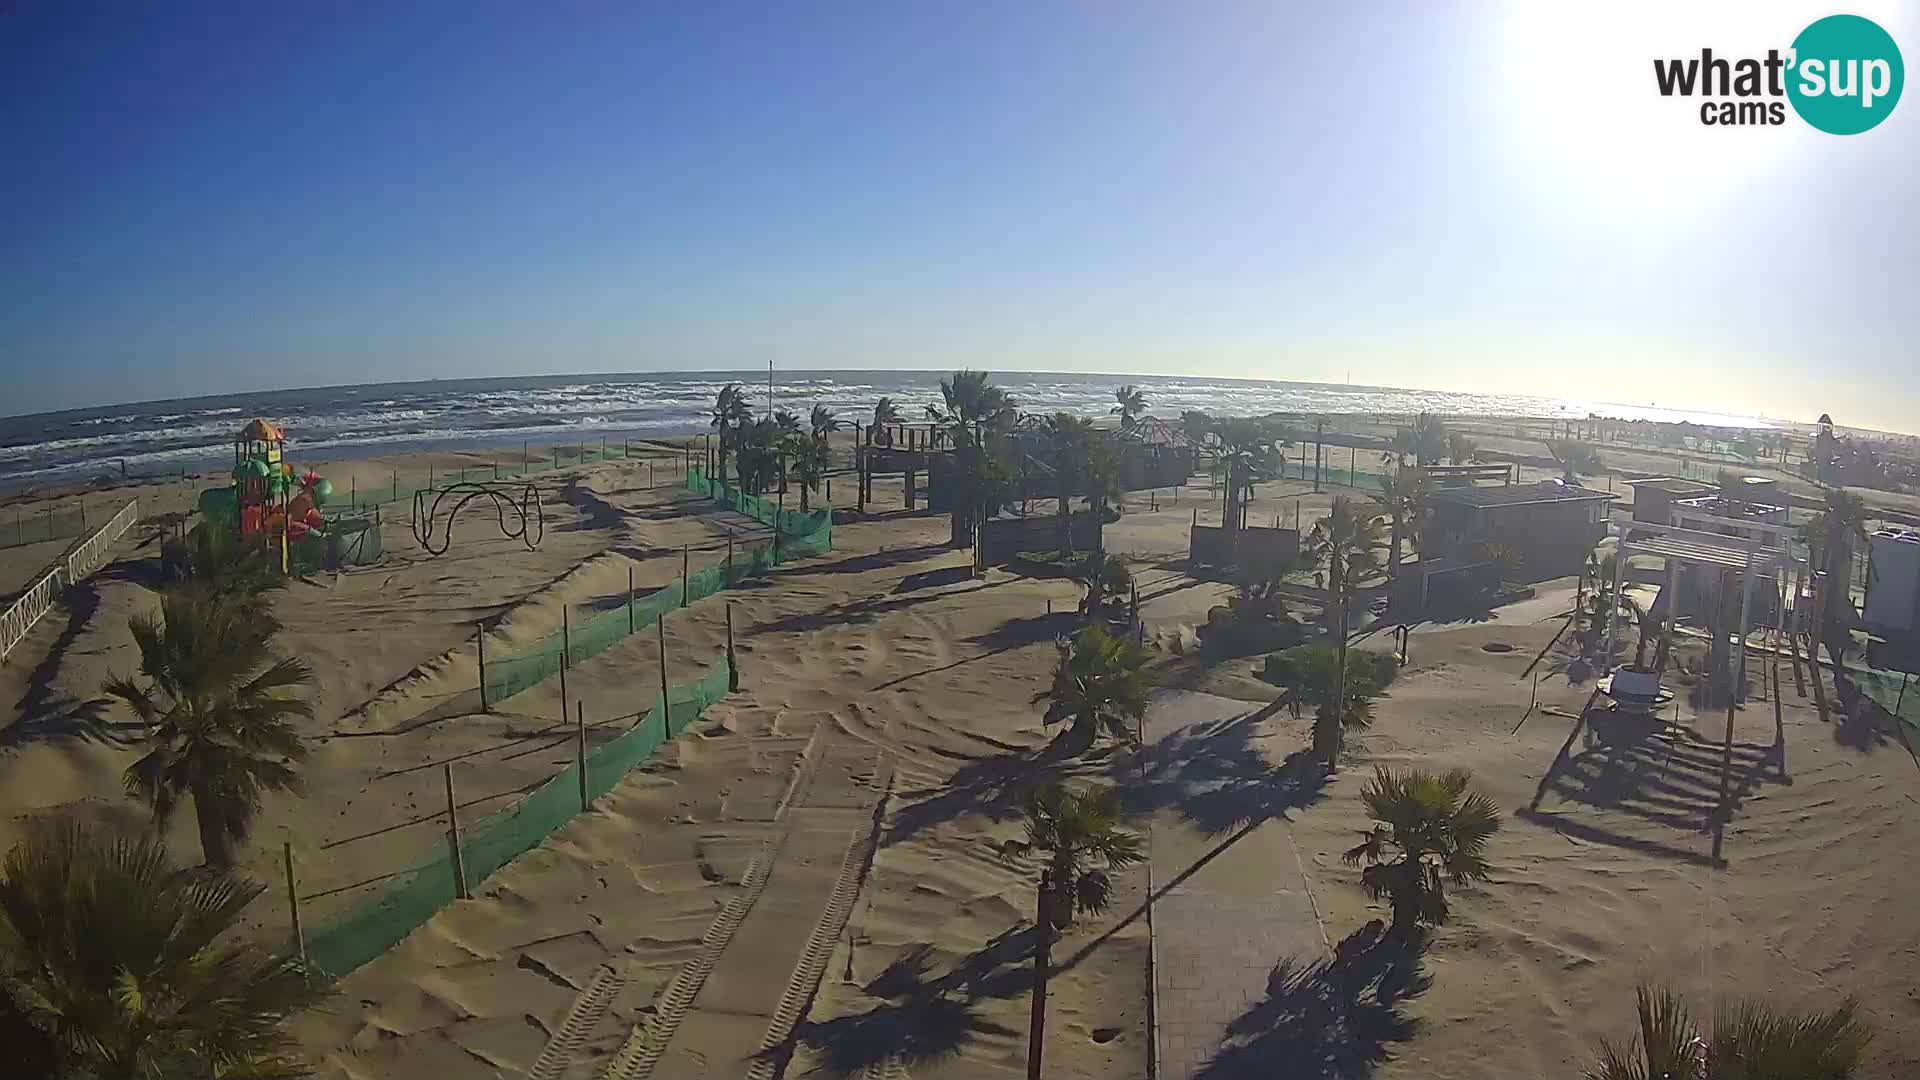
[90,555]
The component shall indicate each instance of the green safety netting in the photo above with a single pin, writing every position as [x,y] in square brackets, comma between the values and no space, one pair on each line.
[356,937]
[796,535]
[1890,690]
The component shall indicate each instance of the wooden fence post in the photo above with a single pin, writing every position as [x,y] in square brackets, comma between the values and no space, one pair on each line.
[629,598]
[480,645]
[733,663]
[453,840]
[666,706]
[684,556]
[580,751]
[566,658]
[293,905]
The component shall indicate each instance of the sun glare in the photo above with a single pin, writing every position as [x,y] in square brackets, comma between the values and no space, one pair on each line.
[1582,112]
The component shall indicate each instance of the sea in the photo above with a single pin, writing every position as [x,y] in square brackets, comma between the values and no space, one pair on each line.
[191,434]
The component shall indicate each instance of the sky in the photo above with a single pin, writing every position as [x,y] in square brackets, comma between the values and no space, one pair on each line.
[206,198]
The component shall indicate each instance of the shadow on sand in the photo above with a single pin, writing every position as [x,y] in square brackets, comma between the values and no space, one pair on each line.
[926,1017]
[1335,1019]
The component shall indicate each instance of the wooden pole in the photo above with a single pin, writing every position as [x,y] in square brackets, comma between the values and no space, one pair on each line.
[580,752]
[566,658]
[684,557]
[293,904]
[480,646]
[666,707]
[453,840]
[629,598]
[729,555]
[733,663]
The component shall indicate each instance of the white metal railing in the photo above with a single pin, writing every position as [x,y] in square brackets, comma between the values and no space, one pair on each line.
[24,612]
[90,555]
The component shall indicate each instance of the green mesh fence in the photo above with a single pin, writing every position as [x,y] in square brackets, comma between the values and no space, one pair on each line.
[796,535]
[356,937]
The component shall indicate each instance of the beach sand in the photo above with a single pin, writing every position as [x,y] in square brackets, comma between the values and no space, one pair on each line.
[884,728]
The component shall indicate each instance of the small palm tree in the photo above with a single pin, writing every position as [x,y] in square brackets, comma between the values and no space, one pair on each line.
[1576,459]
[1429,438]
[218,707]
[1132,405]
[1241,447]
[1070,438]
[1434,828]
[212,557]
[822,422]
[806,459]
[1751,1041]
[1460,449]
[886,413]
[730,413]
[1832,536]
[1347,541]
[1103,576]
[1078,834]
[1403,491]
[1404,444]
[1342,689]
[115,964]
[1099,685]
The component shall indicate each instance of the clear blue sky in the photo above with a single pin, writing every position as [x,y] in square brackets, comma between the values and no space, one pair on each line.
[200,198]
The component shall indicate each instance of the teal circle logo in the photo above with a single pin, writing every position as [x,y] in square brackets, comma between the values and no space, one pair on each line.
[1846,74]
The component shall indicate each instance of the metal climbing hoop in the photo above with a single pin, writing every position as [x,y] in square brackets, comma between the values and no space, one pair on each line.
[530,516]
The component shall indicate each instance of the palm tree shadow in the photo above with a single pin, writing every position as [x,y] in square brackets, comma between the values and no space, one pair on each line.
[992,786]
[1334,1019]
[1216,777]
[927,1018]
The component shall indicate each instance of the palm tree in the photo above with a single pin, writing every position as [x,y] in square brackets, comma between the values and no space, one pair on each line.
[970,402]
[218,707]
[1831,537]
[1460,449]
[729,414]
[1103,576]
[1342,689]
[1241,447]
[1070,438]
[1402,445]
[822,422]
[1429,438]
[113,963]
[1078,834]
[1132,404]
[806,458]
[1436,828]
[1576,459]
[1751,1040]
[886,413]
[1403,491]
[1101,473]
[970,406]
[758,443]
[1099,684]
[212,557]
[1348,542]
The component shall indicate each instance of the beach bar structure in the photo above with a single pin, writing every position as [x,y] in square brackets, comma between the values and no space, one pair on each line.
[1550,526]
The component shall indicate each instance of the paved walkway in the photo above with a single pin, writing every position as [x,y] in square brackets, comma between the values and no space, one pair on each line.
[1221,929]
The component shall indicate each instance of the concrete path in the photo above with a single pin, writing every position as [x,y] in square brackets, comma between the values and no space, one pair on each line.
[1225,923]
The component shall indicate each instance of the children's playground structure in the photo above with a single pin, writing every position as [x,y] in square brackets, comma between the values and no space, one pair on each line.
[272,505]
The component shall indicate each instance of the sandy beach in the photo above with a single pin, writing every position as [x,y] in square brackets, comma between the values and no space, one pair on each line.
[808,881]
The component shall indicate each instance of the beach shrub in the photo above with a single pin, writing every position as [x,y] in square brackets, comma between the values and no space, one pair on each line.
[1235,631]
[1750,1039]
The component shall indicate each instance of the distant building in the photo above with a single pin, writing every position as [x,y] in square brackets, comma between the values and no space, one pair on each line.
[1549,526]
